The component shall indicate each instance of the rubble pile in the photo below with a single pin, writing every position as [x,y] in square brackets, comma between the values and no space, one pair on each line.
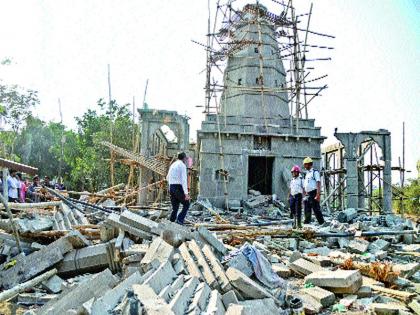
[93,259]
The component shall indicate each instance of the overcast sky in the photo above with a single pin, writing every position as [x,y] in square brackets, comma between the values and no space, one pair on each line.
[61,48]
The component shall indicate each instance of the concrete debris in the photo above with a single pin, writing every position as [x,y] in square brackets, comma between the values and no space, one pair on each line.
[339,281]
[133,262]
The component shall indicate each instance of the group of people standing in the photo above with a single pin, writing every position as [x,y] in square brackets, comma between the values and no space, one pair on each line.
[304,187]
[20,189]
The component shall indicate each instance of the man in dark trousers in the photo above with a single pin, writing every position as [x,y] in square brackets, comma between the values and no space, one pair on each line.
[312,188]
[178,188]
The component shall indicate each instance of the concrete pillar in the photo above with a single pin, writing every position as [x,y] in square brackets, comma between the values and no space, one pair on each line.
[352,183]
[360,188]
[387,176]
[143,172]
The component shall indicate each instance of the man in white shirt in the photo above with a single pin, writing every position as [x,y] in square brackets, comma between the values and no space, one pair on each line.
[295,197]
[13,185]
[178,188]
[312,187]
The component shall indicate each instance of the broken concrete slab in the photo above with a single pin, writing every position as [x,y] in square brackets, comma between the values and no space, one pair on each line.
[138,221]
[183,297]
[282,271]
[339,281]
[253,307]
[217,268]
[304,267]
[245,285]
[215,305]
[212,240]
[159,252]
[358,246]
[169,291]
[324,297]
[114,220]
[387,308]
[378,245]
[310,305]
[151,302]
[229,298]
[201,261]
[89,259]
[240,262]
[29,266]
[174,233]
[53,284]
[192,267]
[199,301]
[110,298]
[161,277]
[75,297]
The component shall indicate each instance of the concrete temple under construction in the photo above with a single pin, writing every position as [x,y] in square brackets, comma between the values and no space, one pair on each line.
[252,141]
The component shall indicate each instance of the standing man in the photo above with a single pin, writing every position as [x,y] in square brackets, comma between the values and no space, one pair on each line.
[312,188]
[13,186]
[178,188]
[295,197]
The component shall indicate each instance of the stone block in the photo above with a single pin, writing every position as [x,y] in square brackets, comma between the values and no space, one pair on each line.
[53,284]
[240,262]
[229,298]
[159,252]
[378,245]
[304,267]
[246,286]
[253,307]
[282,270]
[364,292]
[339,281]
[358,246]
[310,305]
[387,308]
[212,240]
[325,297]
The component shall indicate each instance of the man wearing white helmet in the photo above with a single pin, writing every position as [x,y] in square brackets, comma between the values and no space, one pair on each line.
[312,187]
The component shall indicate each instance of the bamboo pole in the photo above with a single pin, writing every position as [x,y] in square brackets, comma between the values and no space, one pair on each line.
[8,294]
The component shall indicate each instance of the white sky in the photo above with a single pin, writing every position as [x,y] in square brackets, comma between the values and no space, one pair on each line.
[61,48]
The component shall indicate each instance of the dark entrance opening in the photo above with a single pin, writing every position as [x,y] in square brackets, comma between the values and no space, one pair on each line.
[260,174]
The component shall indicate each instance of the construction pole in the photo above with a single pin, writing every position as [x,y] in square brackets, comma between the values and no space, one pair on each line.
[402,170]
[111,127]
[60,165]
